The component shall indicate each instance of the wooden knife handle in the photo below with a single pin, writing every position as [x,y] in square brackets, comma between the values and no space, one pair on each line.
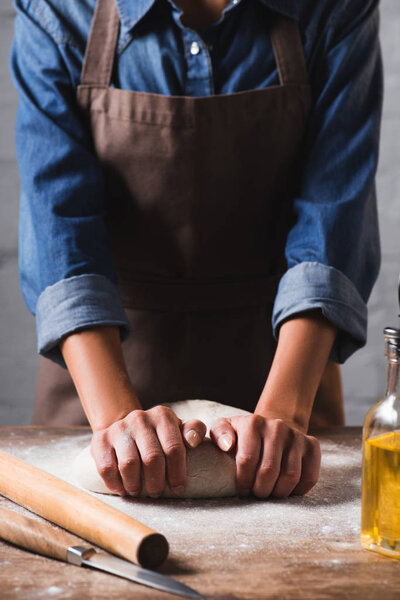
[81,513]
[33,535]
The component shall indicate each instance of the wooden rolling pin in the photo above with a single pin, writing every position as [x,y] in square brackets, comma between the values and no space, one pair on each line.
[81,513]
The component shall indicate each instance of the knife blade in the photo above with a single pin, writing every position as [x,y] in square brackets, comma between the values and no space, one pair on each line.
[45,539]
[89,557]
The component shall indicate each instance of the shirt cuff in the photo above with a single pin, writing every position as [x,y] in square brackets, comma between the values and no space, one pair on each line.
[73,304]
[310,285]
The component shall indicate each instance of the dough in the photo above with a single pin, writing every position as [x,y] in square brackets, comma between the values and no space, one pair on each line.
[211,473]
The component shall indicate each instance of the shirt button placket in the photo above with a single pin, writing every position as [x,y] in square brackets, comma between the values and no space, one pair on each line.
[194,48]
[199,80]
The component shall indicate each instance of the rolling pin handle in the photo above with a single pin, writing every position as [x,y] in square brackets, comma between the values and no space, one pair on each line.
[77,554]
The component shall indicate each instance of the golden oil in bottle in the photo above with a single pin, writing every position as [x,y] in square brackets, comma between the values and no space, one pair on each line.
[380,498]
[380,526]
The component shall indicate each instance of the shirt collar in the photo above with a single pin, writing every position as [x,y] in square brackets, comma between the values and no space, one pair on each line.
[131,11]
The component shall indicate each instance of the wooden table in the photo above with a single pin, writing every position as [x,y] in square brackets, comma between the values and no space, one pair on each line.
[228,549]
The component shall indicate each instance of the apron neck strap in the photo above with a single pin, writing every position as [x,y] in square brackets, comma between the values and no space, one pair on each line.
[288,50]
[100,50]
[102,43]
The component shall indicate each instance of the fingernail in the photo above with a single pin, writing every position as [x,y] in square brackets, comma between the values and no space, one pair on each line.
[192,438]
[178,490]
[225,442]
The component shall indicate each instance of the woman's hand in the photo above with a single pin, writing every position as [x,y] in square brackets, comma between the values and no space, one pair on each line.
[273,458]
[127,442]
[274,454]
[152,442]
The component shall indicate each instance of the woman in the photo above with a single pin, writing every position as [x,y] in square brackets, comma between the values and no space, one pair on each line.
[216,160]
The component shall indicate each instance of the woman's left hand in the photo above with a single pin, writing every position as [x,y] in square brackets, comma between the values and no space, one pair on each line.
[273,457]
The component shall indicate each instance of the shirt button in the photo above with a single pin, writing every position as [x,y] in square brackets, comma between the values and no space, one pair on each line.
[194,48]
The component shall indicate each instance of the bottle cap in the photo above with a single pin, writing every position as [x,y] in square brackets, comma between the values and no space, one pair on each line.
[392,332]
[392,337]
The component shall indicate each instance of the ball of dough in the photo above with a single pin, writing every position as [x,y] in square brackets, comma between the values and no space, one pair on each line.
[211,473]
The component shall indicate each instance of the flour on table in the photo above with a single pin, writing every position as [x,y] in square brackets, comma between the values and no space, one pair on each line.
[210,533]
[211,473]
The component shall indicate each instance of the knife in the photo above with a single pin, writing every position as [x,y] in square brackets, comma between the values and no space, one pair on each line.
[56,543]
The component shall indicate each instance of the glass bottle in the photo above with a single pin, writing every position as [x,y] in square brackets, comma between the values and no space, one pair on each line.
[380,501]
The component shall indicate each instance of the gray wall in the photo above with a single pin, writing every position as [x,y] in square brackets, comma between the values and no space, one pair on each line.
[363,374]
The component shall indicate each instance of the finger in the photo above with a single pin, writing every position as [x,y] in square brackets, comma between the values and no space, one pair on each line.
[128,464]
[270,464]
[248,452]
[106,463]
[290,471]
[223,434]
[193,432]
[173,447]
[310,468]
[151,454]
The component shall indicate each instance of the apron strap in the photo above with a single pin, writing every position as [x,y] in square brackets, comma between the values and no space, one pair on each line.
[100,49]
[289,53]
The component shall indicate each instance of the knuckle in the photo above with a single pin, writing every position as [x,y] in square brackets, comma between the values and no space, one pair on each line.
[281,430]
[137,417]
[152,459]
[106,470]
[314,444]
[245,460]
[297,437]
[128,463]
[173,449]
[256,422]
[119,426]
[278,424]
[160,412]
[267,470]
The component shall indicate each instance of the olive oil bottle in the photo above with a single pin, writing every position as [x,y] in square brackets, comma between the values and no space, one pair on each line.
[380,502]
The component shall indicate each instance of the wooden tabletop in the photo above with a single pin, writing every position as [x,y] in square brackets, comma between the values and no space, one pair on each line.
[226,549]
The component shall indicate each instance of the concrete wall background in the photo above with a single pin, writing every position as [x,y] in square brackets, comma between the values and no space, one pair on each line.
[364,373]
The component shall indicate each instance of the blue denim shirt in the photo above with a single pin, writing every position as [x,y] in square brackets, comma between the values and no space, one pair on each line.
[66,263]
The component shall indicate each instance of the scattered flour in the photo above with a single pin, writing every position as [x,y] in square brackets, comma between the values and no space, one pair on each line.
[327,517]
[53,590]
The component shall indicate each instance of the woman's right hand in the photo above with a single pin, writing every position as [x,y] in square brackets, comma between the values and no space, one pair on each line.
[127,442]
[149,443]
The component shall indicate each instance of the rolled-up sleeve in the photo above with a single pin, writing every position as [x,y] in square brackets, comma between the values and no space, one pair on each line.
[333,250]
[66,262]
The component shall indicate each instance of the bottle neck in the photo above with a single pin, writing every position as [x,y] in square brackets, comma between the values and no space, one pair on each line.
[393,373]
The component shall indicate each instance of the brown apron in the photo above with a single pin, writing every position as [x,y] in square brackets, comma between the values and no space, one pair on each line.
[199,204]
